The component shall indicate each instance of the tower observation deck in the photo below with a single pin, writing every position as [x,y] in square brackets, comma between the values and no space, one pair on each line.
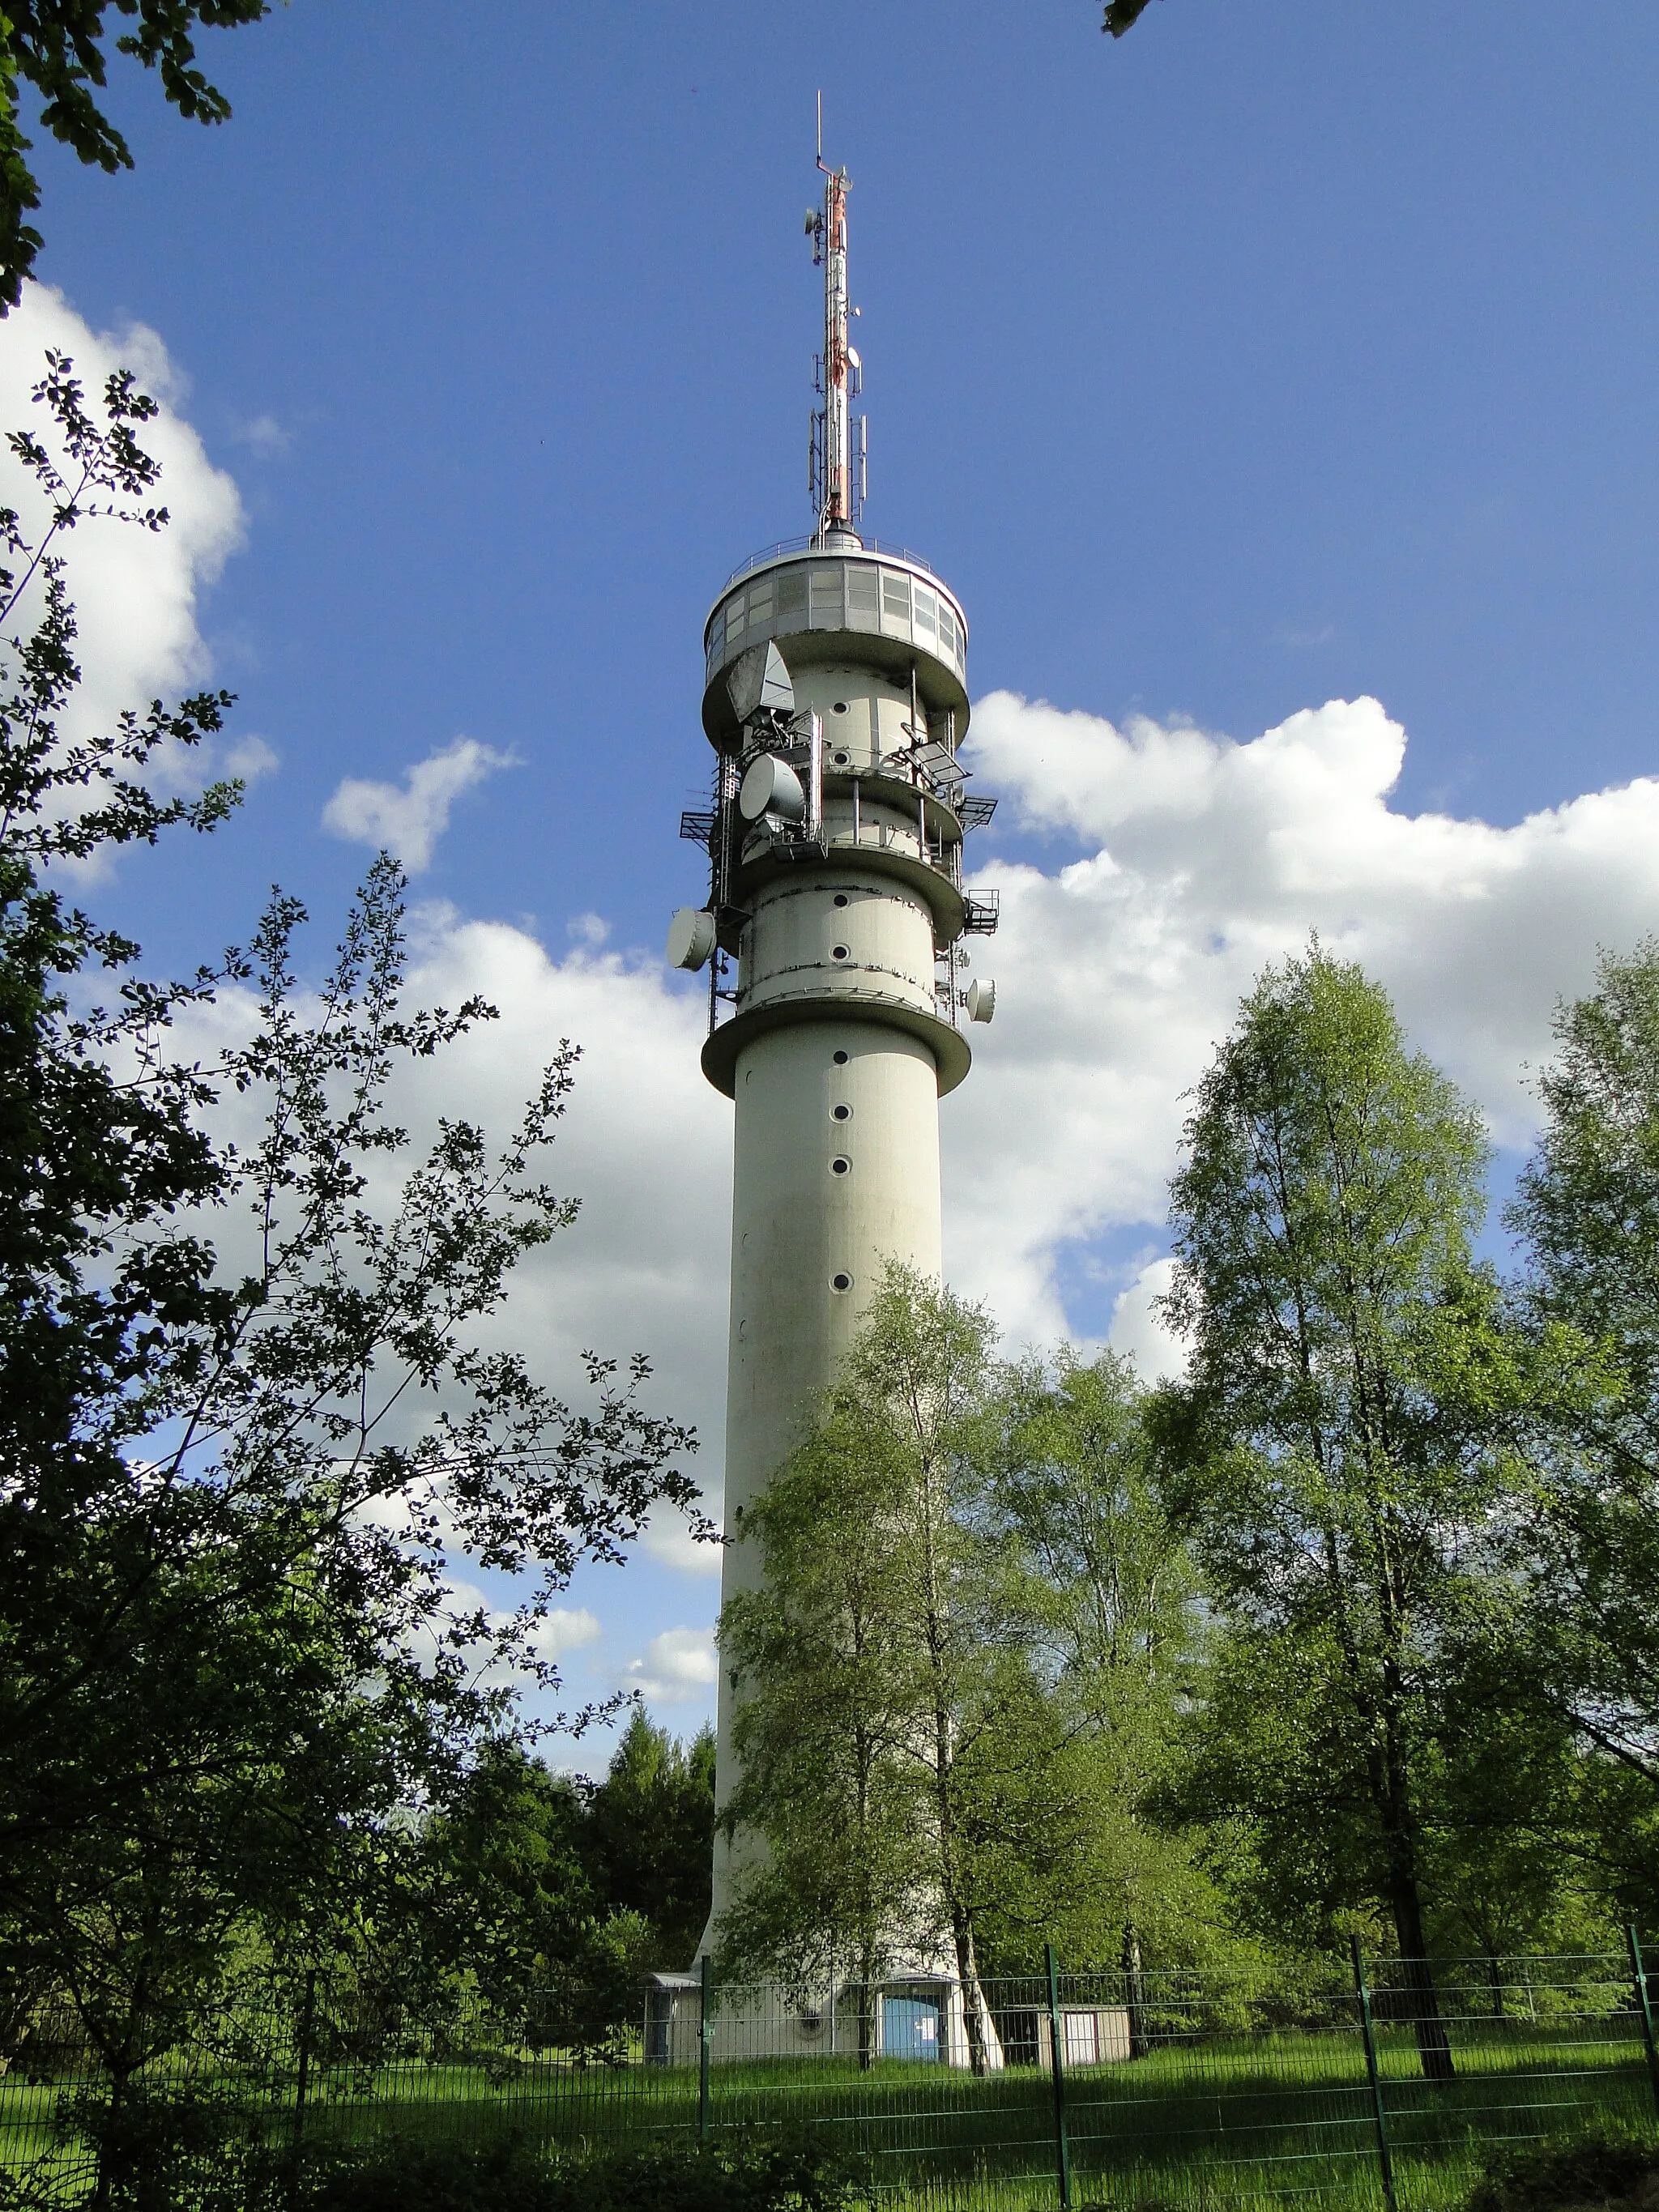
[834,935]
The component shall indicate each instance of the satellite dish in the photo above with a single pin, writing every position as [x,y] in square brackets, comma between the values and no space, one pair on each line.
[690,937]
[760,679]
[771,787]
[982,999]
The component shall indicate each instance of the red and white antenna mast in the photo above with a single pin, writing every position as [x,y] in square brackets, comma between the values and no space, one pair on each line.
[840,453]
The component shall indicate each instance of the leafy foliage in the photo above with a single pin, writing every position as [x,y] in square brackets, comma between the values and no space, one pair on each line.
[59,47]
[769,2176]
[650,1834]
[940,1669]
[1101,1590]
[1600,2166]
[1332,1451]
[551,1897]
[1587,1530]
[237,1490]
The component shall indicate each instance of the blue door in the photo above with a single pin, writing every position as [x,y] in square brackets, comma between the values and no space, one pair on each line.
[909,2028]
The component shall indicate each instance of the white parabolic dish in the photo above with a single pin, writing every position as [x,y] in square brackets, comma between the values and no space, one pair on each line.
[690,937]
[770,785]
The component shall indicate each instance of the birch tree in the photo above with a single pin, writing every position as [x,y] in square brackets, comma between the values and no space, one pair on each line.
[1327,1450]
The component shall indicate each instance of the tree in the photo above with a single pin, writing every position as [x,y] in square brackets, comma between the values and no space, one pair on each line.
[1123,15]
[903,1762]
[236,1490]
[828,1875]
[502,1899]
[59,47]
[1330,1450]
[1105,1592]
[649,1834]
[1587,1210]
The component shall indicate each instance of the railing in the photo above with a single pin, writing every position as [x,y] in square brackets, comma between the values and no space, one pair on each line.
[1125,2088]
[883,548]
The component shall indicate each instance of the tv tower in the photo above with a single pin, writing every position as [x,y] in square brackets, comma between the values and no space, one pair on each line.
[836,701]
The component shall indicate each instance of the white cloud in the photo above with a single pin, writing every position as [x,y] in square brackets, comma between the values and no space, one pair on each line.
[408,819]
[591,930]
[646,1146]
[1198,860]
[678,1667]
[137,591]
[561,1629]
[265,435]
[1139,1329]
[251,758]
[669,1541]
[1187,862]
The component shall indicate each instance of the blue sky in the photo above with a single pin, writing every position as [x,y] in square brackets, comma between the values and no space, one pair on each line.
[1273,356]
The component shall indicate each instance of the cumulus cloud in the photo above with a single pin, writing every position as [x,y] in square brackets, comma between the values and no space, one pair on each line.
[561,1629]
[1183,862]
[408,819]
[251,758]
[138,592]
[1186,862]
[671,1541]
[1139,1329]
[645,1146]
[678,1667]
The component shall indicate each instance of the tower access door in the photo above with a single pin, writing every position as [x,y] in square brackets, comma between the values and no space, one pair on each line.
[909,2028]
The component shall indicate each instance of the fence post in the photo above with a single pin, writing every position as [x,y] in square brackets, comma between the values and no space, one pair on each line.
[1384,2158]
[704,2028]
[1057,2064]
[302,2056]
[1644,2005]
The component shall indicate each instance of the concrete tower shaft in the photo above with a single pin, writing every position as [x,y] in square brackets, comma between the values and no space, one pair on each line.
[845,924]
[836,700]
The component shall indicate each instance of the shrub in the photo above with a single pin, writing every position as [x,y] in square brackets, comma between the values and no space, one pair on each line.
[749,2176]
[1604,2166]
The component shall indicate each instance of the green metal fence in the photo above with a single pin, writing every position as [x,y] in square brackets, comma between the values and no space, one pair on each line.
[1368,2084]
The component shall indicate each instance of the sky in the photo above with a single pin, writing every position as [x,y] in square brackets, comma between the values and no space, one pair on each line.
[1275,388]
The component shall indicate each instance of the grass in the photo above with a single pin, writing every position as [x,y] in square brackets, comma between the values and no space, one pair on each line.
[1278,2120]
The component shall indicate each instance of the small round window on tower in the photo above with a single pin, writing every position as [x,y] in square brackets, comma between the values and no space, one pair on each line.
[841,760]
[838,952]
[839,1059]
[840,898]
[839,706]
[840,1282]
[841,1113]
[840,1165]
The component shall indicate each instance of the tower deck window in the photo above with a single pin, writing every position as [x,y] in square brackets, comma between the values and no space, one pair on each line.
[826,598]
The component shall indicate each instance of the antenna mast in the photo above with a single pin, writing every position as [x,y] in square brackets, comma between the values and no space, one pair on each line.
[840,449]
